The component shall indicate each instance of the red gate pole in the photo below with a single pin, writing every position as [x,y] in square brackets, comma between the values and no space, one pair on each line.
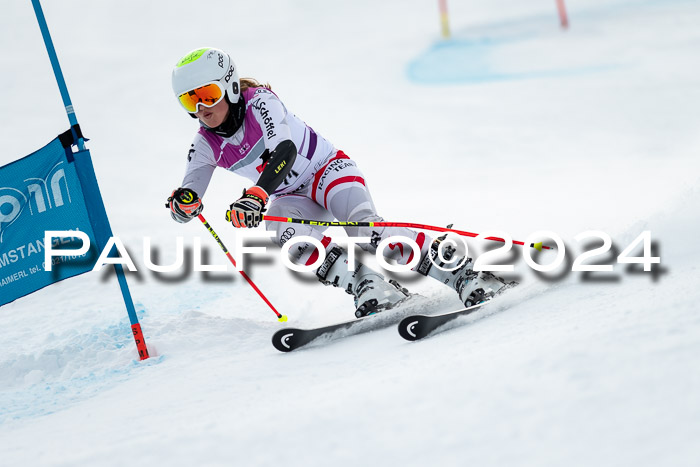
[444,20]
[562,14]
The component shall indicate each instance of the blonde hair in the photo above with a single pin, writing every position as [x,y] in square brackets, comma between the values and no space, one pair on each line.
[247,83]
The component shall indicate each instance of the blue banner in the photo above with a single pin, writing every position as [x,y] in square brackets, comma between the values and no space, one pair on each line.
[50,189]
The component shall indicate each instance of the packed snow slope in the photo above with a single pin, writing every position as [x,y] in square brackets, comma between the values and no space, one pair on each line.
[513,124]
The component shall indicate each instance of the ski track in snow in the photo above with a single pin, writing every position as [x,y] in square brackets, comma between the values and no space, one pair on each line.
[523,127]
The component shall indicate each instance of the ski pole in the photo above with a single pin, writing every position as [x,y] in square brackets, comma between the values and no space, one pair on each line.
[538,246]
[280,317]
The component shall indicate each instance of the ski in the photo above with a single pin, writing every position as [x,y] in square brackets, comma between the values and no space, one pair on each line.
[416,327]
[289,339]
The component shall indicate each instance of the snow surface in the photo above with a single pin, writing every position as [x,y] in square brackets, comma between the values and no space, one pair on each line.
[513,124]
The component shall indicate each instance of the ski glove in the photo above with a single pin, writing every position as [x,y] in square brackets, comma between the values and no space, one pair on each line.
[184,204]
[247,211]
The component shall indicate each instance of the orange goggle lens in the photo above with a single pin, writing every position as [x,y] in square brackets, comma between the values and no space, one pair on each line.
[207,95]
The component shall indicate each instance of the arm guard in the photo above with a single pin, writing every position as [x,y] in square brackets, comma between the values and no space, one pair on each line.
[278,166]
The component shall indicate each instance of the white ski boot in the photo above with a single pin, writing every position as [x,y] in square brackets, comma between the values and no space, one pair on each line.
[472,287]
[372,293]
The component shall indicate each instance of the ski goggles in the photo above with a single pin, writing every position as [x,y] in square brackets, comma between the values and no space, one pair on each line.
[208,95]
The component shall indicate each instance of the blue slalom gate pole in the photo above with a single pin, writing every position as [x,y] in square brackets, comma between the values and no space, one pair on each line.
[97,204]
[57,72]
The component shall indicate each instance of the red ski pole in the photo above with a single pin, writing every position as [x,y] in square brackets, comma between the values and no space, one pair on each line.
[280,317]
[538,246]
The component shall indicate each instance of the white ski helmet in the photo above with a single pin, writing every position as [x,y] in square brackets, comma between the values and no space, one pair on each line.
[203,66]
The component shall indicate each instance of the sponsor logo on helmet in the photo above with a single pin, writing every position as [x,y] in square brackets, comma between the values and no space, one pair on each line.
[191,57]
[219,57]
[227,78]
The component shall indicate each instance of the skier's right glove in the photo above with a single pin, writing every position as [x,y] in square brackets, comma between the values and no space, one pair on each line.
[184,204]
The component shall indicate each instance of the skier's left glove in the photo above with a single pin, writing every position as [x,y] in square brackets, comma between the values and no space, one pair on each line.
[247,211]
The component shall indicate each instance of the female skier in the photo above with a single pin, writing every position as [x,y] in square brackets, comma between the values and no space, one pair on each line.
[246,129]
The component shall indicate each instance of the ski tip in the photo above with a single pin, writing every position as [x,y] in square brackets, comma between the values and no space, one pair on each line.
[409,328]
[283,340]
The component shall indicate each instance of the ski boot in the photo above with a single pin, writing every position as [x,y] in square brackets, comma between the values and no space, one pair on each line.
[471,286]
[371,292]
